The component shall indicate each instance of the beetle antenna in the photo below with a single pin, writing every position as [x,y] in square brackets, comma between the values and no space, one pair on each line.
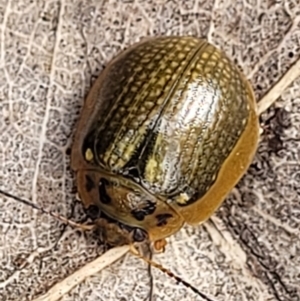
[48,212]
[135,252]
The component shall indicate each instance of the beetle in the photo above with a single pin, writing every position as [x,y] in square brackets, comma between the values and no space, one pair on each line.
[167,130]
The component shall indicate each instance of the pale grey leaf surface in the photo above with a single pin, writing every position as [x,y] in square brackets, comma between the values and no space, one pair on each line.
[50,53]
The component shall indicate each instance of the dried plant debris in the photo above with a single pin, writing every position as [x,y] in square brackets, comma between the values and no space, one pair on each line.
[50,53]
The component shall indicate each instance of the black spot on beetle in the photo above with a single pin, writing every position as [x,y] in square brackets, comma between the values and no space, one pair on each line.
[89,183]
[149,208]
[140,213]
[93,212]
[162,219]
[104,197]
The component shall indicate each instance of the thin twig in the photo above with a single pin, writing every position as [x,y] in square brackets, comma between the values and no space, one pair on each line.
[66,285]
[277,90]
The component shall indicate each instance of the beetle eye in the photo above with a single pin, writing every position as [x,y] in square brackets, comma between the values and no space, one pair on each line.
[139,235]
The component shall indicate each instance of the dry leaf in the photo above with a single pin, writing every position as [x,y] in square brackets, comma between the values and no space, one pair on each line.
[49,55]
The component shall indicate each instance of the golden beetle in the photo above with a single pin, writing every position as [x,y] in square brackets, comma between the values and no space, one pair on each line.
[166,132]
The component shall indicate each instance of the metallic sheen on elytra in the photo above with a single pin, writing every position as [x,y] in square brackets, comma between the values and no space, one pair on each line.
[166,132]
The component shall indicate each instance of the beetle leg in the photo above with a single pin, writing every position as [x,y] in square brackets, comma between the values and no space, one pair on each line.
[160,246]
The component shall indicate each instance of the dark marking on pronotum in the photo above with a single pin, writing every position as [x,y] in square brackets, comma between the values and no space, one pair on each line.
[140,214]
[162,219]
[149,208]
[89,183]
[104,197]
